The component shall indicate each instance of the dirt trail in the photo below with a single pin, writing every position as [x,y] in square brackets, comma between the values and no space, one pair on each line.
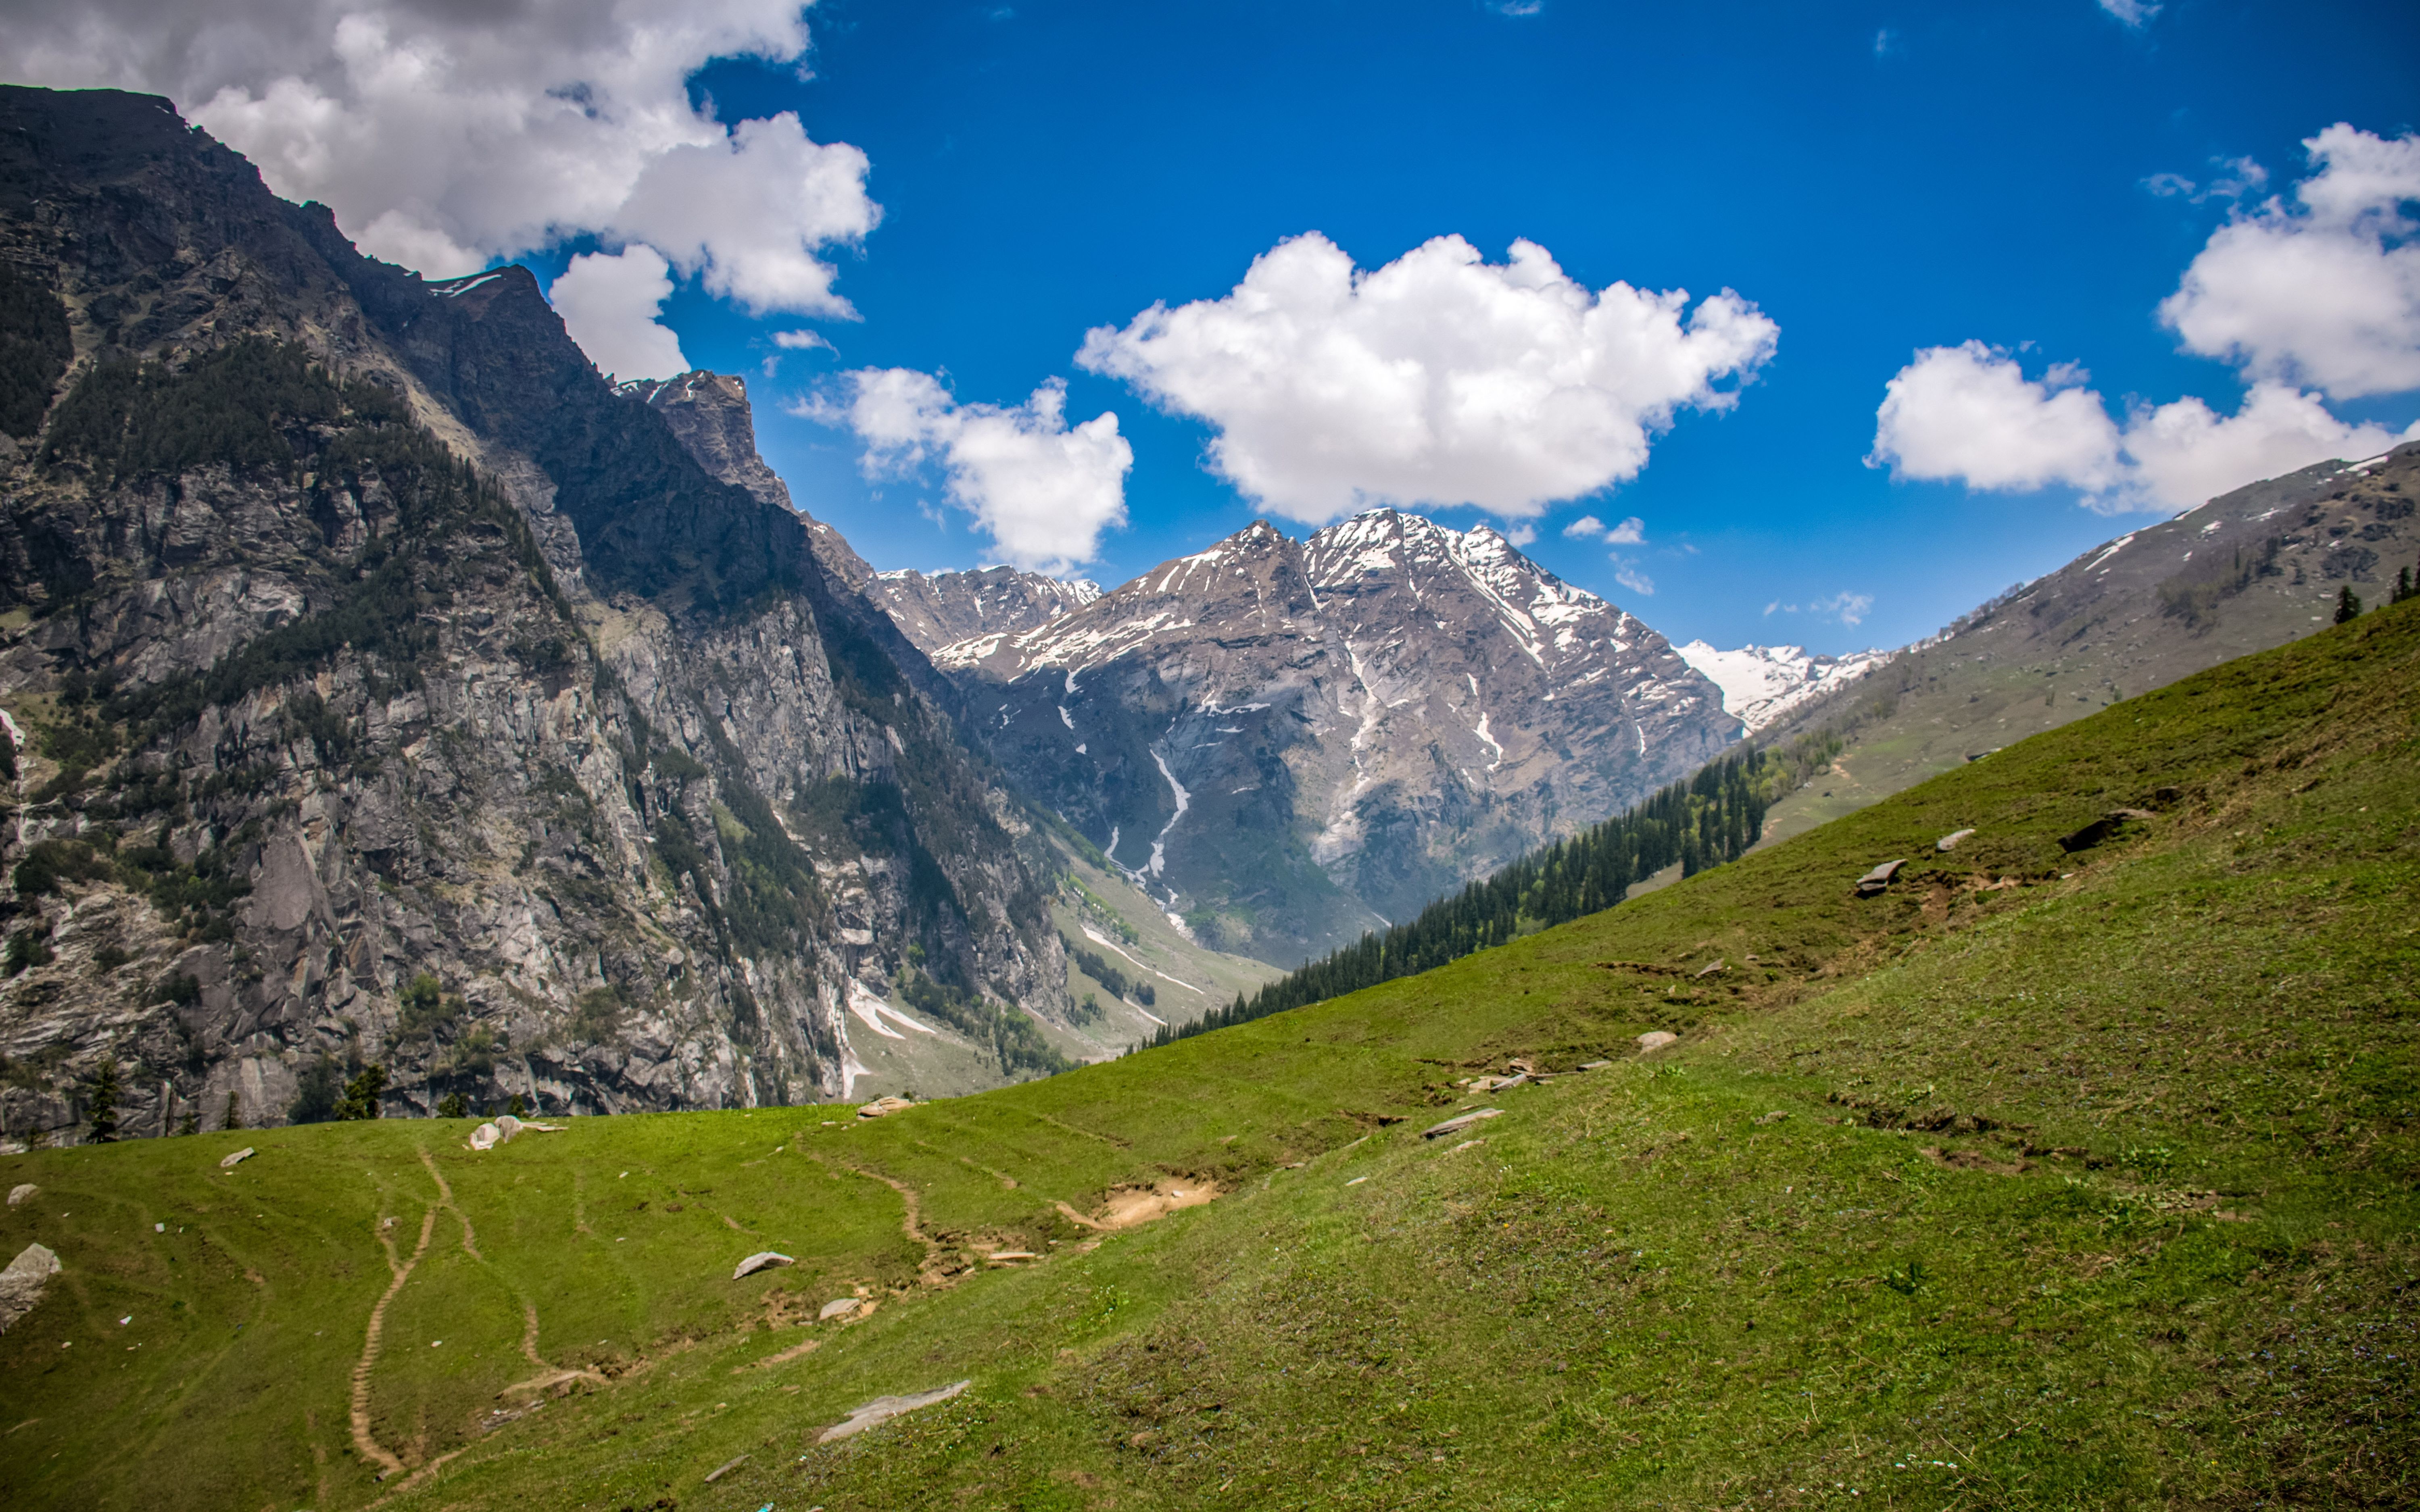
[368,1445]
[446,1199]
[910,1224]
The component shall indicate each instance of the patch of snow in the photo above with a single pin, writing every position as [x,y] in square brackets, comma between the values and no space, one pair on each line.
[1760,683]
[1184,801]
[2115,547]
[1066,718]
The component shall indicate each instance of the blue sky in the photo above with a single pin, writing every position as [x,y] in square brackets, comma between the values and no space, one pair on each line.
[1875,180]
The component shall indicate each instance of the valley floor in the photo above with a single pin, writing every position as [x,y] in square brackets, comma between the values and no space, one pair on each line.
[2044,1179]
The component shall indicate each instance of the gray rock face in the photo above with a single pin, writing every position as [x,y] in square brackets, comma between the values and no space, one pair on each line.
[1288,742]
[710,413]
[937,610]
[592,739]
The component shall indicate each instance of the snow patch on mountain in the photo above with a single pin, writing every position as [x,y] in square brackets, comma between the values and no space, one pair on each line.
[1760,683]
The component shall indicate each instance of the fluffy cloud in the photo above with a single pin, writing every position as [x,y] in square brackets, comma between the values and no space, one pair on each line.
[446,134]
[1438,380]
[1632,531]
[1968,413]
[1584,528]
[2326,294]
[1631,577]
[2136,14]
[609,303]
[1043,492]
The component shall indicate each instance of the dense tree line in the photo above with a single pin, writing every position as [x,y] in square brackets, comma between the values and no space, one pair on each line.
[1705,821]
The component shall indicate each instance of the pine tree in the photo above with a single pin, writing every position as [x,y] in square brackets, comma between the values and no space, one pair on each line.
[2402,586]
[234,1114]
[191,1122]
[519,1108]
[2348,605]
[103,1116]
[361,1098]
[452,1106]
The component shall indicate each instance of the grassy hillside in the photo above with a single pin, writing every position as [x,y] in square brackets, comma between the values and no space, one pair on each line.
[2247,571]
[2043,1179]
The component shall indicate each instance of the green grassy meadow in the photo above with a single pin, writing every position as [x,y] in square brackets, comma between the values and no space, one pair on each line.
[2040,1180]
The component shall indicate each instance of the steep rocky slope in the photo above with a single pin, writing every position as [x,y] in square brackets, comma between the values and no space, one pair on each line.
[710,414]
[1289,742]
[938,609]
[2247,571]
[384,688]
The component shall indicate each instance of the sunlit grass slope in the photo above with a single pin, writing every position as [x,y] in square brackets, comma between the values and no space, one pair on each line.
[2043,1179]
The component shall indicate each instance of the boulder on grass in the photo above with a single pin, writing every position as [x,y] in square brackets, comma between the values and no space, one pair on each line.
[884,1106]
[19,1193]
[760,1260]
[237,1159]
[1655,1040]
[487,1136]
[20,1285]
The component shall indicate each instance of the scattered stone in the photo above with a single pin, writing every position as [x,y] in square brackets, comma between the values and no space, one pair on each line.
[839,1307]
[237,1159]
[1879,878]
[487,1136]
[1457,1125]
[883,1107]
[1773,1117]
[883,1408]
[1595,1065]
[760,1260]
[1949,842]
[1467,1144]
[507,1125]
[1496,1084]
[1008,1255]
[20,1285]
[724,1469]
[1707,971]
[1655,1040]
[19,1193]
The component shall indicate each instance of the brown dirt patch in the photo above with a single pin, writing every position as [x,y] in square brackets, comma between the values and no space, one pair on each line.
[1131,1205]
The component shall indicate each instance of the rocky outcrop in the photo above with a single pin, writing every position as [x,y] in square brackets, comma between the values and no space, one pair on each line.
[1289,742]
[384,687]
[710,414]
[940,609]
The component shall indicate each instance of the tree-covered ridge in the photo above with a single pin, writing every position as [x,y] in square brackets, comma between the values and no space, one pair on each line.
[34,350]
[250,404]
[1711,818]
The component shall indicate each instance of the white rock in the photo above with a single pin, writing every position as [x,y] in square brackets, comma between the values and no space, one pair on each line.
[238,1158]
[507,1126]
[1655,1040]
[487,1136]
[883,1408]
[760,1260]
[838,1307]
[20,1285]
[19,1193]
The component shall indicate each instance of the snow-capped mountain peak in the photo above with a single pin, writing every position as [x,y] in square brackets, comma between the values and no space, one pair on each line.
[1760,683]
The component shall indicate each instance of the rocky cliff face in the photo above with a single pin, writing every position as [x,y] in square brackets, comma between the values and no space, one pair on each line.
[940,609]
[1288,742]
[384,688]
[710,413]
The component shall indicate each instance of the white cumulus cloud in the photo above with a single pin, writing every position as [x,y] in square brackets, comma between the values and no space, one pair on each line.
[609,303]
[1969,414]
[2325,292]
[446,134]
[1583,528]
[1041,490]
[1631,577]
[2134,14]
[1632,531]
[1438,380]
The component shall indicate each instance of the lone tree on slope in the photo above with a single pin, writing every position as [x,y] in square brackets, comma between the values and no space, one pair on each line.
[2348,605]
[104,1118]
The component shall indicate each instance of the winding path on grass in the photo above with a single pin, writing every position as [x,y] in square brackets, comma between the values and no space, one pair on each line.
[368,1445]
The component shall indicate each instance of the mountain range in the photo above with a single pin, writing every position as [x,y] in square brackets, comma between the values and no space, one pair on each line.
[387,690]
